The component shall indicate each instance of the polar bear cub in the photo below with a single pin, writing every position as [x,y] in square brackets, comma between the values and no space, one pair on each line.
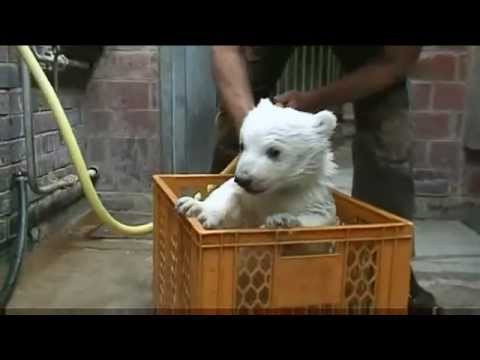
[282,178]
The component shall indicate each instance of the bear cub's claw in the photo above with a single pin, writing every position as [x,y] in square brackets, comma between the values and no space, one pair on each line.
[283,220]
[191,207]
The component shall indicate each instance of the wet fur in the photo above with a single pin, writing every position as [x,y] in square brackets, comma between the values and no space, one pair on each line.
[296,186]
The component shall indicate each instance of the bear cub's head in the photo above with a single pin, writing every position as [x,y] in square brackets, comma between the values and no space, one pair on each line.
[282,148]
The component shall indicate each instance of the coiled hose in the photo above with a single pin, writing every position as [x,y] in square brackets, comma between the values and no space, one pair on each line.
[73,148]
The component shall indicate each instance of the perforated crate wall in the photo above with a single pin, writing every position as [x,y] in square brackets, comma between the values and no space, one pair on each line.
[358,267]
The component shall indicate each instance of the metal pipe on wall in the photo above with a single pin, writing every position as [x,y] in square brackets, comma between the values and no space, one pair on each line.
[30,142]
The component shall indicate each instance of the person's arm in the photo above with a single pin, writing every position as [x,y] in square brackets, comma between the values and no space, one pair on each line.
[392,67]
[231,76]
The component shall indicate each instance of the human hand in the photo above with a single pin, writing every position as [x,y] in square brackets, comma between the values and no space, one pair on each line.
[299,100]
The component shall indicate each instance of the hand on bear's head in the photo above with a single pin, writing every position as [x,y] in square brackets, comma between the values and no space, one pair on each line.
[282,146]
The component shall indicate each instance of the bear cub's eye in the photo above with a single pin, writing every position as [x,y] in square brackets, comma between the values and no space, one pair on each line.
[273,153]
[241,147]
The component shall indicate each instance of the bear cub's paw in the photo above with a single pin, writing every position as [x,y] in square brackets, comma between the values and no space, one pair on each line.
[191,207]
[282,220]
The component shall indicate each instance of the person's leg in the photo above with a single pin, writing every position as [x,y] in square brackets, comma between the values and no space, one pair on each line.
[265,66]
[382,153]
[382,159]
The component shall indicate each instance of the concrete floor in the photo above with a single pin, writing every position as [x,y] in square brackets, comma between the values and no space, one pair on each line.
[447,263]
[78,271]
[447,259]
[86,269]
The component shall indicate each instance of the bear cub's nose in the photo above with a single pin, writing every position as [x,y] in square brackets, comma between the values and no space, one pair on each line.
[244,182]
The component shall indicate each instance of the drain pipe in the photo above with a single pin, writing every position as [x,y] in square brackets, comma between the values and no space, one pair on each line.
[67,181]
[7,290]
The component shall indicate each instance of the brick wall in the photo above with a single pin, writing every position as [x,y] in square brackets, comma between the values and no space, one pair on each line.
[118,128]
[438,93]
[122,119]
[472,175]
[116,122]
[52,155]
[472,158]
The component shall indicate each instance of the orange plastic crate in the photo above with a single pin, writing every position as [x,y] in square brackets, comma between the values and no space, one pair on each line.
[361,266]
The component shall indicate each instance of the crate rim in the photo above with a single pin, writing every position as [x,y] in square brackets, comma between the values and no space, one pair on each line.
[395,221]
[212,276]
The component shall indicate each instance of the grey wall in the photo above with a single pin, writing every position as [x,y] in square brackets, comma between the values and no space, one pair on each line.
[53,158]
[122,121]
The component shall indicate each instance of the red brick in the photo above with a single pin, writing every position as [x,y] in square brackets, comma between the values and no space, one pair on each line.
[432,125]
[449,96]
[445,155]
[420,155]
[126,65]
[94,97]
[137,124]
[129,95]
[118,95]
[98,123]
[421,93]
[439,66]
[123,123]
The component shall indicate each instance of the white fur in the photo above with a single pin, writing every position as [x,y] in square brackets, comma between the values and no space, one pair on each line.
[294,185]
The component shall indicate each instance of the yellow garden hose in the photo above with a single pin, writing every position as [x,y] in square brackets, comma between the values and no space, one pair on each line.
[74,150]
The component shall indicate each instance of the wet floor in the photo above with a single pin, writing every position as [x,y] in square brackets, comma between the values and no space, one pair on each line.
[85,268]
[447,261]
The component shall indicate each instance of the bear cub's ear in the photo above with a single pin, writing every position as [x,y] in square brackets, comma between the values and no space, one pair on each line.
[325,122]
[265,102]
